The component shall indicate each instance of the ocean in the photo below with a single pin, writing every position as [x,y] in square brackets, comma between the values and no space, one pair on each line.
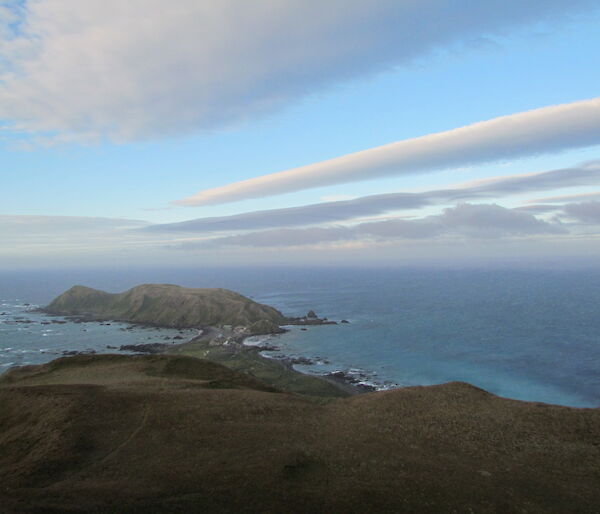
[524,334]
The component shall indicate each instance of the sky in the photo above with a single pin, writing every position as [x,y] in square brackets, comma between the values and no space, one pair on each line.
[276,132]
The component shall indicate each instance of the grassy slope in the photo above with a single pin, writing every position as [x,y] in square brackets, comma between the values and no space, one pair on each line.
[275,373]
[175,434]
[164,305]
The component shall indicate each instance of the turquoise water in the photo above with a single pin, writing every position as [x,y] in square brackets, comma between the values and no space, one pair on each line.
[530,335]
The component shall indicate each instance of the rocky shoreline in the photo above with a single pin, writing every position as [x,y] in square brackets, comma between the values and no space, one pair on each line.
[355,383]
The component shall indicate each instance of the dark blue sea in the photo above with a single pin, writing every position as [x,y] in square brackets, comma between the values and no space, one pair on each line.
[523,334]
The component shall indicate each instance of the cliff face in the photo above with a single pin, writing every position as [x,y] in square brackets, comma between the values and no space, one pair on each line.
[164,305]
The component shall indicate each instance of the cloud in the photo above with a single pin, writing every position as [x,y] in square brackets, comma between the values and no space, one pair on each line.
[479,221]
[546,130]
[20,234]
[295,216]
[539,208]
[567,198]
[494,221]
[282,237]
[587,173]
[19,224]
[140,69]
[374,205]
[584,212]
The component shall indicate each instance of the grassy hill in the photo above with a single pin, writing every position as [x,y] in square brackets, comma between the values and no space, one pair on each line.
[163,433]
[164,305]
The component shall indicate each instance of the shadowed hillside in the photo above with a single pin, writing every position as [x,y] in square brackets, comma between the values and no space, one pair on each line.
[176,434]
[164,305]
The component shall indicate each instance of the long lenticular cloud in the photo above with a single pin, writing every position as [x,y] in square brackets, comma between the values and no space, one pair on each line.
[540,131]
[483,221]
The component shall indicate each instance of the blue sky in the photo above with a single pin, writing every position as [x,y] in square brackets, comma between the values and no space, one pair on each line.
[113,147]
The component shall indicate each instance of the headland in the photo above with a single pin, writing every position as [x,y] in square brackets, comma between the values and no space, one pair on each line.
[223,318]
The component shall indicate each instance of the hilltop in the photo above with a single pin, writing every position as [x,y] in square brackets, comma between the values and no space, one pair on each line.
[163,433]
[164,305]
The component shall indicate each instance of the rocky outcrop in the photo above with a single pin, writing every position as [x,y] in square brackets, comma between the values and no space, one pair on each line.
[264,327]
[309,321]
[145,348]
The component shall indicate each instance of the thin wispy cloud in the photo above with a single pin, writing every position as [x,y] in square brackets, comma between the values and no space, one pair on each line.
[539,131]
[20,234]
[374,205]
[139,69]
[539,208]
[567,198]
[20,224]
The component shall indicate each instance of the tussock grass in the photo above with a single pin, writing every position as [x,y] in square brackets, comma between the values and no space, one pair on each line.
[176,434]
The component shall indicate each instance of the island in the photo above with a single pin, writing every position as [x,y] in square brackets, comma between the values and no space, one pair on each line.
[172,306]
[164,305]
[171,432]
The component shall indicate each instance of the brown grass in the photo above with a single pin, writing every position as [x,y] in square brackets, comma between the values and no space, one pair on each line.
[177,434]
